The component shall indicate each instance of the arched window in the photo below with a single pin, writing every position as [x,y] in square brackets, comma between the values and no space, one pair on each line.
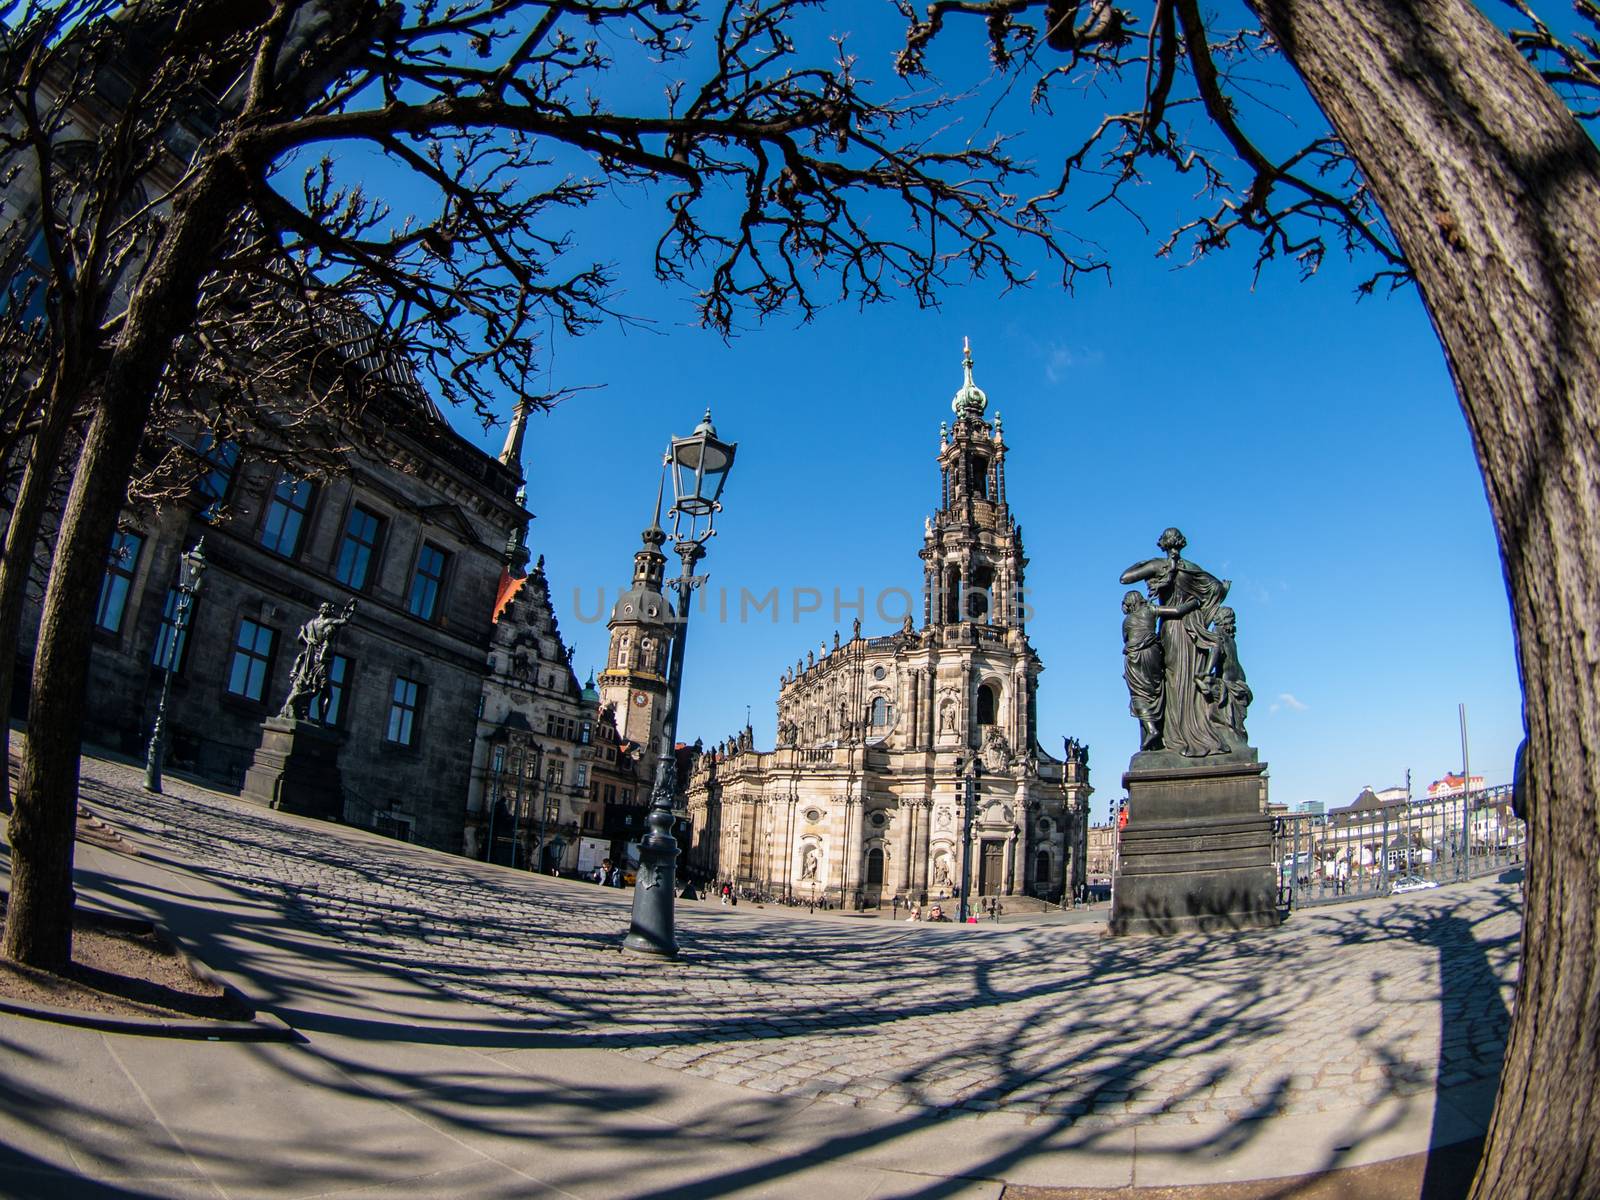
[988,703]
[880,711]
[979,593]
[875,867]
[1041,867]
[978,473]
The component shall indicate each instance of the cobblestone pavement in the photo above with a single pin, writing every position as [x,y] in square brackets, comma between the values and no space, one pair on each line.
[1335,1011]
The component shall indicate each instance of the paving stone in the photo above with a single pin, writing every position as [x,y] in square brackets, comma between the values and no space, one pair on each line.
[1333,1012]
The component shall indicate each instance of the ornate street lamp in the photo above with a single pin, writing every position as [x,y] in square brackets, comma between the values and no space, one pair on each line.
[191,574]
[699,465]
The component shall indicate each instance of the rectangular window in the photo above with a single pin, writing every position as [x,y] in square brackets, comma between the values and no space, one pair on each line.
[404,703]
[121,563]
[252,660]
[427,582]
[338,682]
[358,548]
[611,793]
[558,770]
[170,640]
[580,776]
[221,459]
[286,515]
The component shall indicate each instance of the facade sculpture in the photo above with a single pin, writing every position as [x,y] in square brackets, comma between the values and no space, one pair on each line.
[1185,685]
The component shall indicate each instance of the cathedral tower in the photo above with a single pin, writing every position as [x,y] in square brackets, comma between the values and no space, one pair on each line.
[972,549]
[641,625]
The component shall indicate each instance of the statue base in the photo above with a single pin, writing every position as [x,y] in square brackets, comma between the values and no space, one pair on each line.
[295,769]
[1196,853]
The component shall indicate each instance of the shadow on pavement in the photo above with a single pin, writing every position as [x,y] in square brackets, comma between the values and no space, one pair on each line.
[421,980]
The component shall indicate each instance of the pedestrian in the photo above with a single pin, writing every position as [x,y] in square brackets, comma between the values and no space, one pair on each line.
[894,909]
[916,914]
[726,891]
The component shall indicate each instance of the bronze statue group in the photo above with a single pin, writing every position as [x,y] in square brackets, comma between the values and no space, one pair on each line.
[1185,685]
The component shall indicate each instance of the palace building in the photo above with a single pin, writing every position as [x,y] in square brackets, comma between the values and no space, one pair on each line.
[864,799]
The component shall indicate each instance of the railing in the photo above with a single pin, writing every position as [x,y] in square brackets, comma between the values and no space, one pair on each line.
[1395,848]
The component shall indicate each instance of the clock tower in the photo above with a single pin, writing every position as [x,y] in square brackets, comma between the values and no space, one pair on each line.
[641,625]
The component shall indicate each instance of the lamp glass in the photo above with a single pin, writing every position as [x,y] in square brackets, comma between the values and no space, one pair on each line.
[700,466]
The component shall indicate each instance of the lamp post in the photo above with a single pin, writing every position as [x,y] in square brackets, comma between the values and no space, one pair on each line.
[699,466]
[544,815]
[191,574]
[497,766]
[526,794]
[969,775]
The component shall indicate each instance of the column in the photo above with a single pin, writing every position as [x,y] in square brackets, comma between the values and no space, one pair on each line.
[1024,867]
[913,710]
[789,848]
[1012,845]
[856,842]
[905,820]
[924,838]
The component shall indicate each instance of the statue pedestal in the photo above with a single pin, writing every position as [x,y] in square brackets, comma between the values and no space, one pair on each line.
[1196,853]
[296,769]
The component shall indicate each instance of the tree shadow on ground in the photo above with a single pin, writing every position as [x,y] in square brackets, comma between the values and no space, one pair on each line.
[430,983]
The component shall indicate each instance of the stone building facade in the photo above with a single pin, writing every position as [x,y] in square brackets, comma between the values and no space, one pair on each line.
[863,799]
[549,763]
[415,529]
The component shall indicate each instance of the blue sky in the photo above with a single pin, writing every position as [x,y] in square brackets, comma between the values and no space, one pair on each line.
[1310,446]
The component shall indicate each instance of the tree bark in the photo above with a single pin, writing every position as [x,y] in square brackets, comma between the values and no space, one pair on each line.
[38,929]
[1493,190]
[21,540]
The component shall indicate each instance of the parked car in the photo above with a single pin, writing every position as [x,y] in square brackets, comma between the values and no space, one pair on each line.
[1410,883]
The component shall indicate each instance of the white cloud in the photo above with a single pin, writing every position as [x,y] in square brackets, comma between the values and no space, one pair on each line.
[1060,360]
[1290,701]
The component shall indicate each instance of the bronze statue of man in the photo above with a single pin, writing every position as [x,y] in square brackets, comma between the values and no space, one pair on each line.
[308,681]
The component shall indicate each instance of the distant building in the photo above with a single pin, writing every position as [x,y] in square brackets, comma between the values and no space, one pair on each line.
[1102,851]
[1450,785]
[1311,807]
[546,752]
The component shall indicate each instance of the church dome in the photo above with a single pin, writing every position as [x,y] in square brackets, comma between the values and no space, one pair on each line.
[970,399]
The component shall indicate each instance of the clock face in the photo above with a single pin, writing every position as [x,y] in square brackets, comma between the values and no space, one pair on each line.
[640,699]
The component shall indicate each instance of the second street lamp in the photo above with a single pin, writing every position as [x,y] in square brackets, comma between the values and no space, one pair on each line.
[699,466]
[191,574]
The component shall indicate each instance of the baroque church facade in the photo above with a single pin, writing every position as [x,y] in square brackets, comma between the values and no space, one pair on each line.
[864,799]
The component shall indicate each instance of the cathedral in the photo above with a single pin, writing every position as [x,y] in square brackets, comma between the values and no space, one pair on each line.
[865,798]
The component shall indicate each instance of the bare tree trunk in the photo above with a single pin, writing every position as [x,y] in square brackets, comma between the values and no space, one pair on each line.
[38,929]
[22,538]
[1493,190]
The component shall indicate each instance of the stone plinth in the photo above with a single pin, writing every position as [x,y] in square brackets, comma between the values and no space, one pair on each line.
[296,769]
[1196,853]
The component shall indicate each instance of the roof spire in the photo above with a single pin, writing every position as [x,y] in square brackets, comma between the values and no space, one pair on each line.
[661,487]
[970,400]
[511,455]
